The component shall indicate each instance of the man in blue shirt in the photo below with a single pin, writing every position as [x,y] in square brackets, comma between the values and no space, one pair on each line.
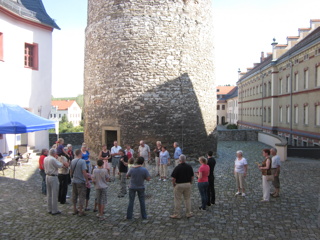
[137,176]
[177,153]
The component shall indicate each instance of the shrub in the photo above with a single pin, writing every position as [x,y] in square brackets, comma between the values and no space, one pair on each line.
[232,126]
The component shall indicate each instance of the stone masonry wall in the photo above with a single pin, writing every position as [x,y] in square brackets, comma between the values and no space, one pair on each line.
[149,73]
[238,135]
[69,138]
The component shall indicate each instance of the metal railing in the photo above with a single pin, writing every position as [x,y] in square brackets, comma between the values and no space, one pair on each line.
[14,7]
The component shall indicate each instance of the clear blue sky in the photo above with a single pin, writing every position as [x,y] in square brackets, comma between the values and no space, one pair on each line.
[242,30]
[69,14]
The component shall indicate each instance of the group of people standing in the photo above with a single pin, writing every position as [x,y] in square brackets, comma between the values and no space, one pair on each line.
[59,165]
[270,169]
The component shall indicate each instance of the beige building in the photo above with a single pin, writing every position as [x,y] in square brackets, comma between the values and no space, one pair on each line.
[232,107]
[224,112]
[281,94]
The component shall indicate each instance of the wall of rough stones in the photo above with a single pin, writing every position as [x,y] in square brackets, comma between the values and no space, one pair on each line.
[149,73]
[69,138]
[238,135]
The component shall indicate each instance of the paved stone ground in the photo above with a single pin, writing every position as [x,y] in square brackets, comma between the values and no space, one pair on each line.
[295,215]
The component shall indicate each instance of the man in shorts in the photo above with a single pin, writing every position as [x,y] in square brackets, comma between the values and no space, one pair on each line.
[275,169]
[100,178]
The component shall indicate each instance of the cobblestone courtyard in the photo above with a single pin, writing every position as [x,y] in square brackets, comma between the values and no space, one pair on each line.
[295,215]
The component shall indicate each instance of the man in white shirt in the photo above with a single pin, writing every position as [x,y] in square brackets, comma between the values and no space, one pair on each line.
[51,165]
[115,157]
[275,168]
[144,151]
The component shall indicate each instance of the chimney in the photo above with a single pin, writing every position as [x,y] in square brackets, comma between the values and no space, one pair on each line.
[278,49]
[303,32]
[249,69]
[273,44]
[262,57]
[242,74]
[314,23]
[291,41]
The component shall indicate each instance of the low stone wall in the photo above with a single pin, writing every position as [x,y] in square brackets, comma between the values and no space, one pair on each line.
[238,135]
[69,138]
[275,141]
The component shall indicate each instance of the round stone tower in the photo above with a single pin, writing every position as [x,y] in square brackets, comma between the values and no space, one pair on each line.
[149,74]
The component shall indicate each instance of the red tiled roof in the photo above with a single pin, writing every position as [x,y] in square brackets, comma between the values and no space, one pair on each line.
[304,29]
[281,45]
[62,104]
[225,89]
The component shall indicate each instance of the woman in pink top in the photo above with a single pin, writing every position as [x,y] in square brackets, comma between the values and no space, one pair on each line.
[203,183]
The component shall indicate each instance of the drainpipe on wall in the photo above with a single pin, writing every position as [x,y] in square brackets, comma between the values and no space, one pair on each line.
[291,111]
[239,99]
[262,96]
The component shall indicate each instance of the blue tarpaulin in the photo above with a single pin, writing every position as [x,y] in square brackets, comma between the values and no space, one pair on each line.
[15,120]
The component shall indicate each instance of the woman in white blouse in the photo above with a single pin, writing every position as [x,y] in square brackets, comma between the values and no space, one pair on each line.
[240,173]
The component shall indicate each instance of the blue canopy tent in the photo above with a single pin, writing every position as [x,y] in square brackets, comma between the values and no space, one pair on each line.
[16,120]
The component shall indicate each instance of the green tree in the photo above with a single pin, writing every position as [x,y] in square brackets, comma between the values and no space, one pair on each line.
[64,119]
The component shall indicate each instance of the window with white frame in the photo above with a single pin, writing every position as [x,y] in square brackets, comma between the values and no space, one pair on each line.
[264,114]
[306,79]
[296,82]
[296,114]
[280,86]
[269,89]
[318,76]
[269,114]
[317,111]
[306,115]
[287,83]
[280,114]
[288,114]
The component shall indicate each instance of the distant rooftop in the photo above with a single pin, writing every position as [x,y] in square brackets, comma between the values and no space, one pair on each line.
[222,90]
[32,10]
[232,94]
[62,104]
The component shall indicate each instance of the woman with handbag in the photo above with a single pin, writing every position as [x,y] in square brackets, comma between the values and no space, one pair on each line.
[265,169]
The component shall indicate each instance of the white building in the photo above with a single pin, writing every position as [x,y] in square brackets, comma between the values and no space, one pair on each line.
[232,107]
[26,64]
[68,108]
